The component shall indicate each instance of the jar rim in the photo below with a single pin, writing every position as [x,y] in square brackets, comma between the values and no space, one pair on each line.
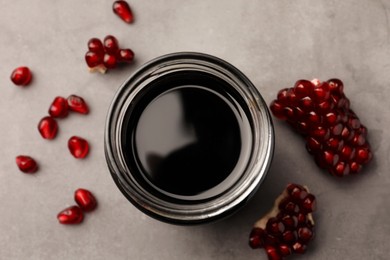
[204,210]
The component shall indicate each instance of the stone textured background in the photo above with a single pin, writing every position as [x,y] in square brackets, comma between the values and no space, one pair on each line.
[273,42]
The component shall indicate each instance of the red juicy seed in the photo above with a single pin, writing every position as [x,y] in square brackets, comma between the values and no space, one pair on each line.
[340,169]
[320,133]
[48,127]
[354,123]
[85,199]
[289,222]
[289,113]
[303,127]
[303,88]
[292,186]
[321,92]
[313,145]
[319,160]
[336,86]
[78,147]
[26,164]
[336,130]
[123,10]
[109,61]
[71,215]
[347,134]
[292,99]
[273,253]
[298,193]
[299,248]
[256,238]
[289,236]
[282,96]
[358,140]
[284,250]
[306,104]
[330,158]
[275,227]
[95,45]
[314,118]
[305,234]
[309,204]
[363,155]
[299,114]
[93,59]
[362,130]
[334,143]
[301,219]
[77,104]
[59,107]
[125,55]
[277,109]
[355,167]
[21,76]
[111,45]
[325,107]
[331,118]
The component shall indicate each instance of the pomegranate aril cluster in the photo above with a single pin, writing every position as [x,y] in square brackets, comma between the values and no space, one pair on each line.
[321,112]
[288,228]
[107,54]
[86,202]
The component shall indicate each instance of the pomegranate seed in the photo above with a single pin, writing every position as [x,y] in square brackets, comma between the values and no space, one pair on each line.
[93,59]
[272,253]
[256,240]
[288,227]
[109,61]
[77,104]
[85,199]
[125,55]
[21,76]
[123,10]
[321,112]
[48,127]
[59,107]
[26,164]
[78,147]
[96,46]
[277,109]
[111,45]
[71,215]
[303,88]
[284,250]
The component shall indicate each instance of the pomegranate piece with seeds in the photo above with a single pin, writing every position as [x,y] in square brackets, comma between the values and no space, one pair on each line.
[85,199]
[71,215]
[78,147]
[107,54]
[59,108]
[26,164]
[21,76]
[288,228]
[321,112]
[77,104]
[123,10]
[48,127]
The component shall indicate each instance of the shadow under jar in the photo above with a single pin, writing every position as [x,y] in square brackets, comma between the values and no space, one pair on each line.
[188,138]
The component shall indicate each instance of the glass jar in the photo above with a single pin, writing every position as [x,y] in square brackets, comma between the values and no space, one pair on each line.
[188,138]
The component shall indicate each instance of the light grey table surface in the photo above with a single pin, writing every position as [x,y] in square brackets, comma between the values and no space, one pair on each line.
[274,43]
